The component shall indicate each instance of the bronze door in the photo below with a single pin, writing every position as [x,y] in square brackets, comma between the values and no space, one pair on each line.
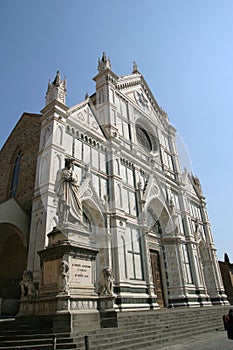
[156,273]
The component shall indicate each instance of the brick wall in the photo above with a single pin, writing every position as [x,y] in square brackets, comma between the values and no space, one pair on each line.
[25,138]
[227,276]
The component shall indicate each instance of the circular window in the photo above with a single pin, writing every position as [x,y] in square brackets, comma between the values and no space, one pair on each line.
[143,138]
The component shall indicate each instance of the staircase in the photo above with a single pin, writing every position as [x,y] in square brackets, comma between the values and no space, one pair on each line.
[136,330]
[26,337]
[154,329]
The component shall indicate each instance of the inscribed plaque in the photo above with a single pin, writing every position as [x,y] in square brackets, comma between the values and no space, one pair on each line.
[81,271]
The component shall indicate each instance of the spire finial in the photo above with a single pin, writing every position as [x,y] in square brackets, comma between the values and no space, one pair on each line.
[104,57]
[57,79]
[135,68]
[104,63]
[56,90]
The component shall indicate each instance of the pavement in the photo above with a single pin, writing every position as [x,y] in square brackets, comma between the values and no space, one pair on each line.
[210,341]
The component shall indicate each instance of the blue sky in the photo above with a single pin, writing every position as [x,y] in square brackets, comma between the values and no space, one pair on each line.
[183,48]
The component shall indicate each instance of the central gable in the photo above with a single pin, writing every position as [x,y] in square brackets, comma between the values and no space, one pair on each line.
[136,89]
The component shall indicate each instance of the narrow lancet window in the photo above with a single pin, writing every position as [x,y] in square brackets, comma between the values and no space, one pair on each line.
[15,176]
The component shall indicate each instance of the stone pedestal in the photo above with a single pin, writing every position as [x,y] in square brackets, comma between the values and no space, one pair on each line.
[108,315]
[66,291]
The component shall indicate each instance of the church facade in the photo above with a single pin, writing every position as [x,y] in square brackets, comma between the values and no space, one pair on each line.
[144,217]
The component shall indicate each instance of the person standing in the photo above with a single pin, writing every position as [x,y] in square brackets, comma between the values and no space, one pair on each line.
[229,324]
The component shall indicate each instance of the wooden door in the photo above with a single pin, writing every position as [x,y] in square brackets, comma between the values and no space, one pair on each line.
[156,273]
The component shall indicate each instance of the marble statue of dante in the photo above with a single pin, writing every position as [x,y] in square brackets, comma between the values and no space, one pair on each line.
[67,189]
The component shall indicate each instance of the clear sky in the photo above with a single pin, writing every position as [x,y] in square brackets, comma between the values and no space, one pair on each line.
[183,48]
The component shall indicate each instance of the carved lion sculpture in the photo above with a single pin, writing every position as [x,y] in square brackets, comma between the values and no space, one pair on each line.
[28,289]
[106,284]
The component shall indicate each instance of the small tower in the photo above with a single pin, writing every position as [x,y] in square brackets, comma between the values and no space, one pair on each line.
[106,81]
[104,63]
[56,90]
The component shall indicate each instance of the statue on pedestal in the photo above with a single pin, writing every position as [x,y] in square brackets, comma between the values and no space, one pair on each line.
[106,283]
[28,289]
[67,189]
[64,276]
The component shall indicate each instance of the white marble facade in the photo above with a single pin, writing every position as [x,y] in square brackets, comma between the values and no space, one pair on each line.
[137,204]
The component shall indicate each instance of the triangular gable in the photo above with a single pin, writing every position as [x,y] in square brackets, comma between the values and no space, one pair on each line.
[83,116]
[88,193]
[155,201]
[188,183]
[153,190]
[135,87]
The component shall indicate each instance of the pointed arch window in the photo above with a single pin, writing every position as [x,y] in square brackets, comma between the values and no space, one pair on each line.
[134,254]
[15,175]
[143,138]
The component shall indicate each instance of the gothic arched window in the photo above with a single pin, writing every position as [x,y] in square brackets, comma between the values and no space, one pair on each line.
[143,138]
[15,175]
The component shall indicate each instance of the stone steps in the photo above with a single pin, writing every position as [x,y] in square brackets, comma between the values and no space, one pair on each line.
[4,335]
[148,343]
[156,329]
[26,340]
[139,330]
[145,337]
[136,330]
[14,340]
[39,346]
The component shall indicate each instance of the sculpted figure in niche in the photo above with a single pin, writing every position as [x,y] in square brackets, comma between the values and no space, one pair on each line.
[28,289]
[174,216]
[197,186]
[64,276]
[67,189]
[198,234]
[106,283]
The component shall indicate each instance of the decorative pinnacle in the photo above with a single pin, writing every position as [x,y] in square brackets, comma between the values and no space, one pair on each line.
[57,79]
[104,57]
[135,68]
[56,90]
[104,63]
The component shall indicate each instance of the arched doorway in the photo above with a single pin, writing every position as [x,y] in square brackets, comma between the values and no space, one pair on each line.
[13,261]
[157,276]
[94,220]
[158,223]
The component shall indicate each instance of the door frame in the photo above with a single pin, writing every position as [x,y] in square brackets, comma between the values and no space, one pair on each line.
[156,253]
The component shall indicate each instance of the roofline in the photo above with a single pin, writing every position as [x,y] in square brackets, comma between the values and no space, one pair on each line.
[25,114]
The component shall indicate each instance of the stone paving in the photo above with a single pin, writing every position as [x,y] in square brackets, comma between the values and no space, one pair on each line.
[210,341]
